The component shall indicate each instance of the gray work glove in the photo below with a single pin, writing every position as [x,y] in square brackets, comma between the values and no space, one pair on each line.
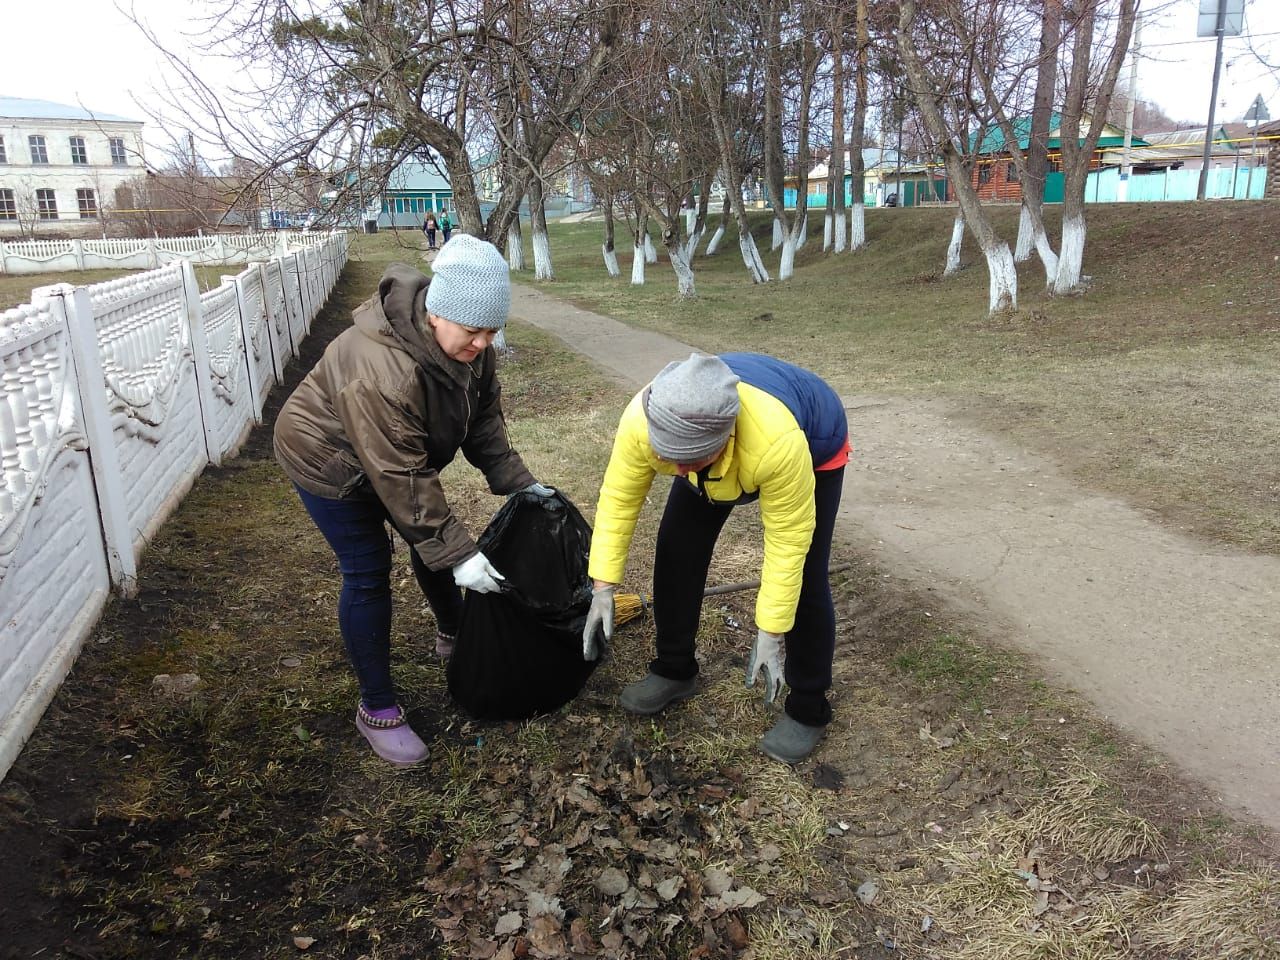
[477,573]
[766,656]
[599,619]
[538,489]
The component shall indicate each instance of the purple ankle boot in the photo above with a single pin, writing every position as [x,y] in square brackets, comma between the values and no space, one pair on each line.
[390,735]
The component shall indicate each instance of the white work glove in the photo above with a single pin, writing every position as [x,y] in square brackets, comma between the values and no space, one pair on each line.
[477,573]
[538,489]
[599,619]
[766,656]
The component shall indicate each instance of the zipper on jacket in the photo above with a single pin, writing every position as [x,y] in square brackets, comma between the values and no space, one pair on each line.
[413,494]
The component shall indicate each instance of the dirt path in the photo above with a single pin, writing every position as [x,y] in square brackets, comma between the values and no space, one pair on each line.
[1175,640]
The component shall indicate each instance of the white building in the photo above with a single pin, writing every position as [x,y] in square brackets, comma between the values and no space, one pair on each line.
[59,165]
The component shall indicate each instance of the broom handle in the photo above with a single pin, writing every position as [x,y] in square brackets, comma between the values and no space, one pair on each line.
[753,584]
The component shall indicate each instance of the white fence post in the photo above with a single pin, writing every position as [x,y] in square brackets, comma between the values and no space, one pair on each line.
[246,336]
[3,256]
[76,310]
[77,251]
[269,313]
[200,353]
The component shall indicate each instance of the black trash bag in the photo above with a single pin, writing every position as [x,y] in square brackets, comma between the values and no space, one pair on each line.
[519,652]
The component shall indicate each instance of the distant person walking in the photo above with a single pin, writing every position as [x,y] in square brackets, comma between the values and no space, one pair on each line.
[446,225]
[429,228]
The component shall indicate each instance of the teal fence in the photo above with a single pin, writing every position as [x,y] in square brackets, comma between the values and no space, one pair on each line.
[1104,185]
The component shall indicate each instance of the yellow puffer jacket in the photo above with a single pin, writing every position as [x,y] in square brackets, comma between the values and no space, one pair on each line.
[767,455]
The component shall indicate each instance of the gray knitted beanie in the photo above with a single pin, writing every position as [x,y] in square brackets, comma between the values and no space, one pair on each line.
[470,284]
[691,406]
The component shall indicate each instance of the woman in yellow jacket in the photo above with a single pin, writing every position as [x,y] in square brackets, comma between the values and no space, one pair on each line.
[730,429]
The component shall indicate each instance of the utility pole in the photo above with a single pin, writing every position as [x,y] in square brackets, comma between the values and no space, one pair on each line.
[1219,31]
[1126,165]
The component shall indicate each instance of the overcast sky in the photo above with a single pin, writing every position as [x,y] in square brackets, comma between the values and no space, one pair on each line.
[100,60]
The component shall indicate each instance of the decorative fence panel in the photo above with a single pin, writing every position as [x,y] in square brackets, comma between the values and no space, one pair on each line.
[45,256]
[146,355]
[282,344]
[232,406]
[54,579]
[293,298]
[113,398]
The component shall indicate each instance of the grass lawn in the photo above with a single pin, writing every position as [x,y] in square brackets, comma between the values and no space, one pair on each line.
[16,289]
[1158,384]
[960,808]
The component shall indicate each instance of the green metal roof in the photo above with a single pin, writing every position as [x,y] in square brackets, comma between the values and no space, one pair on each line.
[994,140]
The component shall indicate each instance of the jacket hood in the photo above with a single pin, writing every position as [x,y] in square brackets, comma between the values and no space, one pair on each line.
[398,314]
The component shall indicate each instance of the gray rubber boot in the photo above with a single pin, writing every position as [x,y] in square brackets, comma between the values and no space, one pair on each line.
[790,741]
[654,693]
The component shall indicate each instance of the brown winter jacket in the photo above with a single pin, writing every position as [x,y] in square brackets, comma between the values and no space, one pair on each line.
[385,410]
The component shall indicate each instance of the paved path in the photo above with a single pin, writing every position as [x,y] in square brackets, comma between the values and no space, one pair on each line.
[1175,640]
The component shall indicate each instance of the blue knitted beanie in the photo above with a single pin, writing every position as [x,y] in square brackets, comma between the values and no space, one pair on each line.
[470,284]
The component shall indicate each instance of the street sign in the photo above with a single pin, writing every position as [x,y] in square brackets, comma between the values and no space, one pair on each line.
[1258,113]
[1232,23]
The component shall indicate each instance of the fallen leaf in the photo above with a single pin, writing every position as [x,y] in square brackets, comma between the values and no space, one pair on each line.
[736,933]
[580,940]
[740,899]
[303,943]
[717,881]
[508,924]
[545,935]
[612,882]
[770,852]
[669,887]
[868,892]
[182,873]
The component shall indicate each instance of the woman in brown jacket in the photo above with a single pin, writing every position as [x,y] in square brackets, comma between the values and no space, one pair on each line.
[364,438]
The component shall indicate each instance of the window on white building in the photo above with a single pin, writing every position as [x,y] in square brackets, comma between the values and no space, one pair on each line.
[38,152]
[87,203]
[118,156]
[8,208]
[47,204]
[79,155]
[4,157]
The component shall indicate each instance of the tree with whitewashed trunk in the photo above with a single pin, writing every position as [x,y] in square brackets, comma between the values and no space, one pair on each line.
[722,39]
[953,248]
[638,258]
[542,269]
[835,236]
[1031,162]
[857,131]
[912,36]
[650,251]
[713,245]
[803,54]
[1091,83]
[515,245]
[607,249]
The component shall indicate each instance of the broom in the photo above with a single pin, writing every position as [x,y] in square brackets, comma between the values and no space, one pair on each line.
[629,606]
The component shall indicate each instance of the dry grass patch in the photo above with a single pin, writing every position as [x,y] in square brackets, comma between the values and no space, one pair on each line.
[1228,915]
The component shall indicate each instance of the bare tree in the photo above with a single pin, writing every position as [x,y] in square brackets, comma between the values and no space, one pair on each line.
[421,70]
[730,110]
[931,90]
[1086,91]
[834,230]
[789,45]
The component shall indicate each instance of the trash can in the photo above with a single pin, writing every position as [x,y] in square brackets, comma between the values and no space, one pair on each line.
[371,226]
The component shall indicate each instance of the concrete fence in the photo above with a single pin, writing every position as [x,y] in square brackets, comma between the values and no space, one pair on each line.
[46,256]
[113,399]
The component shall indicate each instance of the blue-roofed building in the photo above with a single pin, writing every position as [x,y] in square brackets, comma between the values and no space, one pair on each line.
[413,189]
[60,165]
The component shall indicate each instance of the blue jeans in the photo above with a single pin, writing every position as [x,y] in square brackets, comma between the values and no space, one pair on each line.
[355,529]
